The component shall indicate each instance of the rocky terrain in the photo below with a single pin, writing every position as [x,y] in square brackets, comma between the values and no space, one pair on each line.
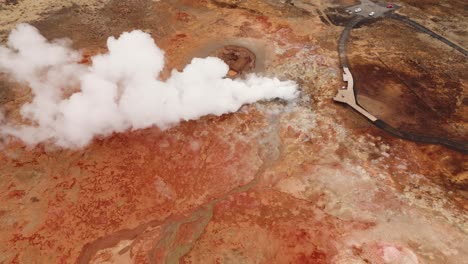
[309,181]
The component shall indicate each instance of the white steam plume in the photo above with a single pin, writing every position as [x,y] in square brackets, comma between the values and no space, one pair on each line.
[119,91]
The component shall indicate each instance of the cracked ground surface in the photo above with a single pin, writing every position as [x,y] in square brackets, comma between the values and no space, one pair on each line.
[304,182]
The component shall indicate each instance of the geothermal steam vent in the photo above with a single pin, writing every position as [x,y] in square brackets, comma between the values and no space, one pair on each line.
[119,91]
[239,59]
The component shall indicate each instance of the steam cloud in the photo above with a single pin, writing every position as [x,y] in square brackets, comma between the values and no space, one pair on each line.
[119,91]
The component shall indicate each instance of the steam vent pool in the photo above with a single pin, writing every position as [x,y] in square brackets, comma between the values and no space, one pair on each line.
[239,59]
[244,178]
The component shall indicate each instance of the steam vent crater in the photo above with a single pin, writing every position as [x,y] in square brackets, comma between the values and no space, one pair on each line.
[239,59]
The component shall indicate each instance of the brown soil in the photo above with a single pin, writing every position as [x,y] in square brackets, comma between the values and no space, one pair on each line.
[414,83]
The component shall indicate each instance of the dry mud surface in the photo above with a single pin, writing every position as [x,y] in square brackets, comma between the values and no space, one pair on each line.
[305,182]
[407,81]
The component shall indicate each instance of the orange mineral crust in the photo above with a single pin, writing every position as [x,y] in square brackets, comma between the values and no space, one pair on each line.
[120,182]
